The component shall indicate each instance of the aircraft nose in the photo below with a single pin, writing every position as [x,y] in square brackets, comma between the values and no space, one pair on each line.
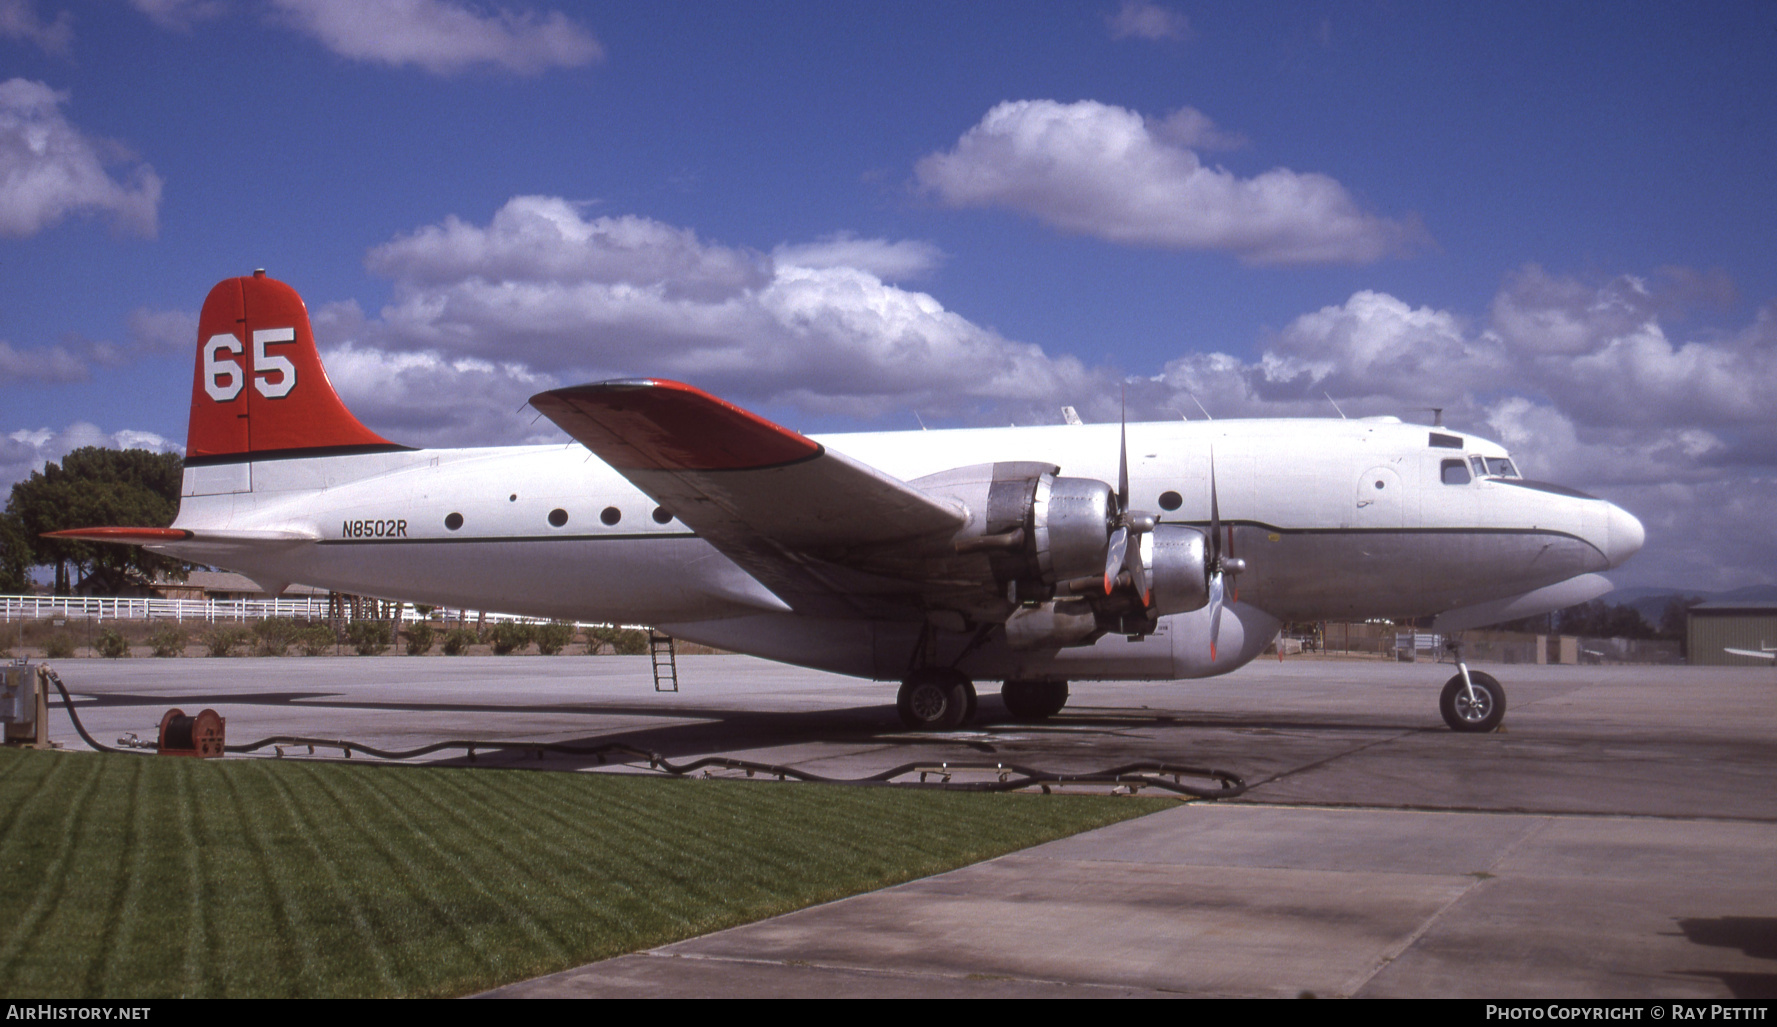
[1623,535]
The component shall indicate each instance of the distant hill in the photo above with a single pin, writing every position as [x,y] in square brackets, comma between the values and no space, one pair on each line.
[1651,602]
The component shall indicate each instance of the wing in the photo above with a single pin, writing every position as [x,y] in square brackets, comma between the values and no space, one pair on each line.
[1755,654]
[794,514]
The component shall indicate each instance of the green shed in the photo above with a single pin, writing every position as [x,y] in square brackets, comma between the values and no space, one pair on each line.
[1712,628]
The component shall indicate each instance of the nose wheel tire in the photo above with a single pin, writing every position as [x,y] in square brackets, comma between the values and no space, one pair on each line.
[1481,714]
[1032,701]
[935,700]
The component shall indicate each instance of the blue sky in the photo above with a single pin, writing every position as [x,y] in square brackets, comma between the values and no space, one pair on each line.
[1557,221]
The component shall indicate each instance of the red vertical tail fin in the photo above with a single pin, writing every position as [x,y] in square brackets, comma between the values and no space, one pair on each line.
[259,391]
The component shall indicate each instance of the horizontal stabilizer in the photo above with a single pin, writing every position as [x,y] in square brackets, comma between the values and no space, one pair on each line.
[175,536]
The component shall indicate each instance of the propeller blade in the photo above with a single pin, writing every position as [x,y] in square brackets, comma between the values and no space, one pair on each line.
[1215,613]
[1138,576]
[1215,516]
[1113,557]
[1123,456]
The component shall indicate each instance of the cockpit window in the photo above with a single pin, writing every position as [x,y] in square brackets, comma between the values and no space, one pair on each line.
[1492,467]
[1455,472]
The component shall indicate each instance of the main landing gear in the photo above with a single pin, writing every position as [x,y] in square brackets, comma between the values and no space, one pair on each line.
[1472,701]
[936,699]
[942,699]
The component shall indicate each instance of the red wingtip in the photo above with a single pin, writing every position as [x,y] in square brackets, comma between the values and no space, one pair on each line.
[654,424]
[128,536]
[259,384]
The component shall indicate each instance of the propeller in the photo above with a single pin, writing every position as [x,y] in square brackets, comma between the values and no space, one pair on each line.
[1220,567]
[1124,551]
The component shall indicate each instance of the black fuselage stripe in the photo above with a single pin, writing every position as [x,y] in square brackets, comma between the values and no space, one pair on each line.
[641,536]
[306,453]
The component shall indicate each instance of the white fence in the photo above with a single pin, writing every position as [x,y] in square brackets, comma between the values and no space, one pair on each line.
[16,608]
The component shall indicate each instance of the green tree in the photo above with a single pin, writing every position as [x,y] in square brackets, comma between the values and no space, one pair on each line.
[1674,619]
[92,487]
[15,555]
[1599,619]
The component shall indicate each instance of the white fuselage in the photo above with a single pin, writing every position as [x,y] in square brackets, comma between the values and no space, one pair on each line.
[1335,519]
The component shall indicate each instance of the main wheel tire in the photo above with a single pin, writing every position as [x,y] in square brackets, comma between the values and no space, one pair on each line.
[1033,701]
[1481,715]
[934,700]
[1054,695]
[1023,700]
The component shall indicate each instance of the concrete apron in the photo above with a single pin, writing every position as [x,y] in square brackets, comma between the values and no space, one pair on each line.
[1244,900]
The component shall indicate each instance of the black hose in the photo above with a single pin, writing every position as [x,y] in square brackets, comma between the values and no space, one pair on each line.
[68,704]
[1011,776]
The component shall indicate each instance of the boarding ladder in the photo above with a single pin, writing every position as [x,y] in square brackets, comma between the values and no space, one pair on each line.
[666,662]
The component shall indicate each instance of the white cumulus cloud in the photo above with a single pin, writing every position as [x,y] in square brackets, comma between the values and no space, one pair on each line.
[1140,19]
[163,331]
[49,169]
[442,36]
[19,20]
[27,450]
[1095,169]
[1593,384]
[546,288]
[179,15]
[39,364]
[890,260]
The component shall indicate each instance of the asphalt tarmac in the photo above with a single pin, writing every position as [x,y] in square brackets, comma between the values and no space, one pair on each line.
[1618,839]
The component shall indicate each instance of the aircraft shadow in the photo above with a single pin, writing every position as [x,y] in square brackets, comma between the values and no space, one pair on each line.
[1755,936]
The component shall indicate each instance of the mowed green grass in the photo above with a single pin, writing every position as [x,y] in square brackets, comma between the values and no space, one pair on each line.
[148,876]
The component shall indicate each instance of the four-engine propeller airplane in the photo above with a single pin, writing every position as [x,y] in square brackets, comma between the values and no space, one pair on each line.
[1031,556]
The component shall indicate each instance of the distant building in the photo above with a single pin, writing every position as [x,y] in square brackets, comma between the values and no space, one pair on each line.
[1711,628]
[225,585]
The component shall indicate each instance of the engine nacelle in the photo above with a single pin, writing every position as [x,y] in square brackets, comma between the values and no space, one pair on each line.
[1046,538]
[1177,561]
[1070,527]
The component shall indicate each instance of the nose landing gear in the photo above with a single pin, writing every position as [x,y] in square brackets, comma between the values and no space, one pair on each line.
[1472,702]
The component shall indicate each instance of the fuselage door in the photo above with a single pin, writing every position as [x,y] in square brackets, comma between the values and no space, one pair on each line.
[1380,499]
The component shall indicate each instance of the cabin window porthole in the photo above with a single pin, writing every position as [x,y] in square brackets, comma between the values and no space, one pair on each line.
[1378,482]
[662,515]
[558,517]
[1171,500]
[611,515]
[453,521]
